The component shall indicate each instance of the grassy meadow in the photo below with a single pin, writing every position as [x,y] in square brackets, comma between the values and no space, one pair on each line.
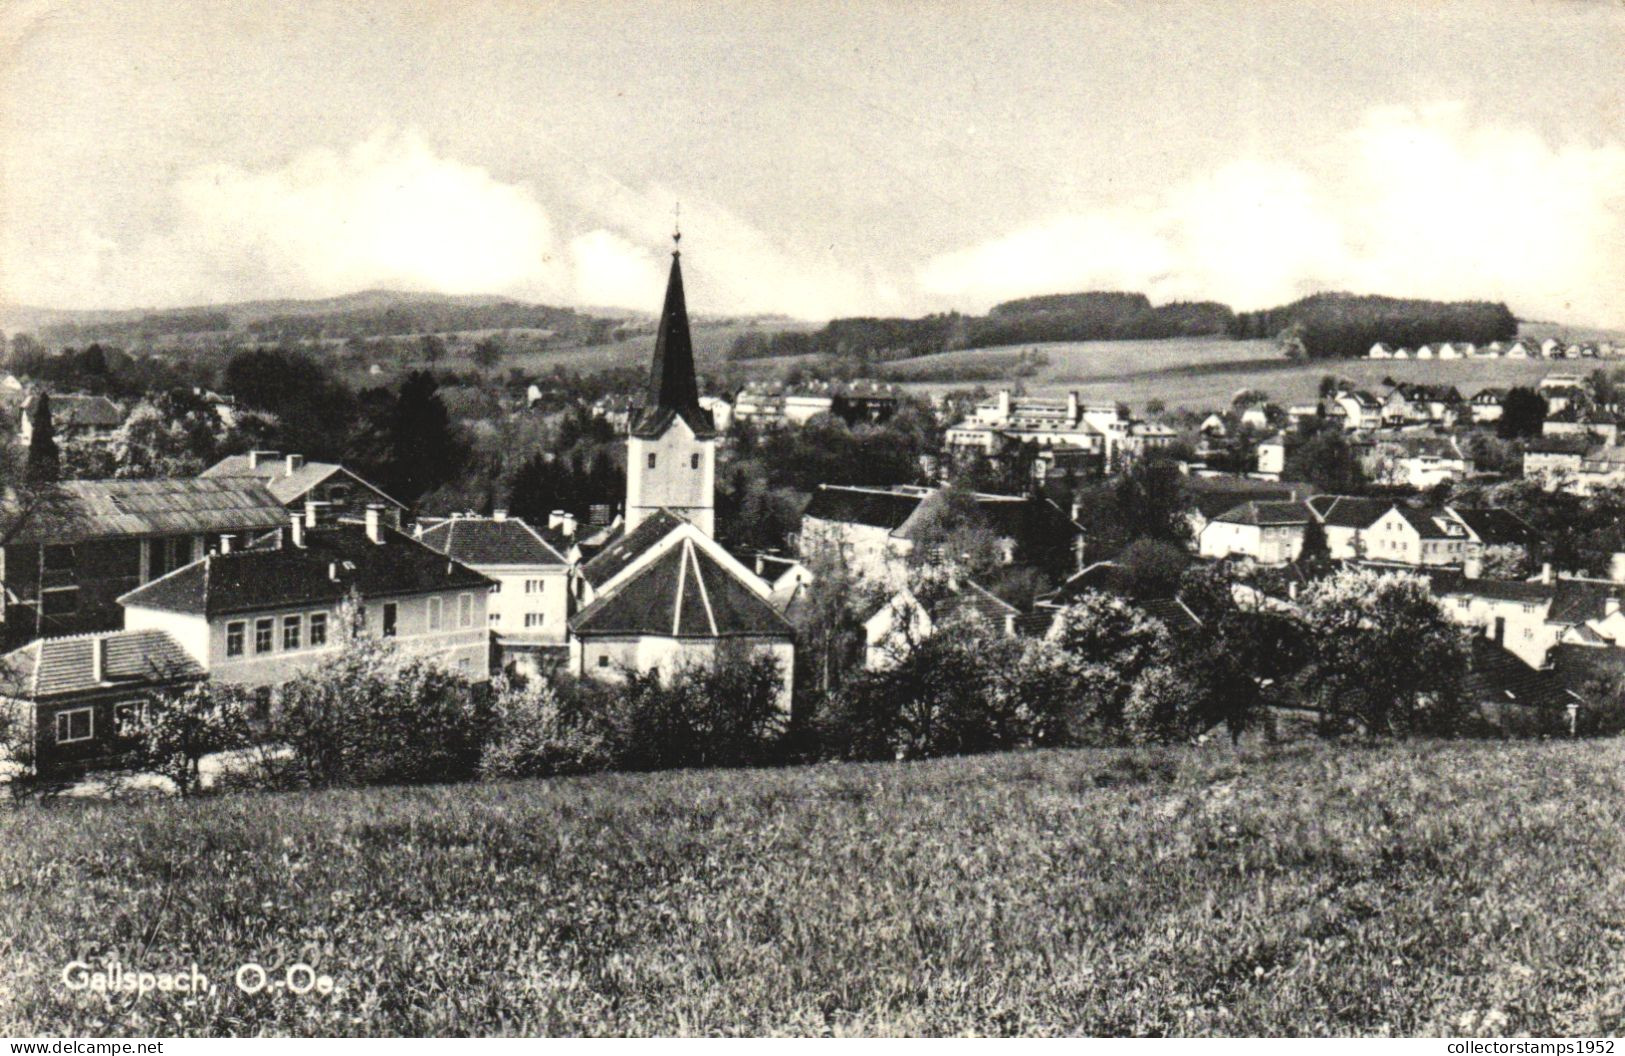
[1421,888]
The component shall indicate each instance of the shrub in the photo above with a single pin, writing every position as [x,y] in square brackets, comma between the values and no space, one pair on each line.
[173,733]
[1109,644]
[543,728]
[721,712]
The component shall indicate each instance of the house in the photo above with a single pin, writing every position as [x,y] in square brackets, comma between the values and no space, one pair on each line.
[1532,618]
[1602,467]
[1487,404]
[1213,426]
[1450,351]
[1208,497]
[261,616]
[1554,462]
[1425,352]
[1572,420]
[660,593]
[74,416]
[1380,350]
[1345,519]
[1407,403]
[89,541]
[1046,422]
[1551,348]
[1508,695]
[874,529]
[1272,457]
[335,490]
[1359,409]
[903,619]
[1495,527]
[1418,461]
[1405,535]
[1403,353]
[529,607]
[1520,350]
[80,694]
[1270,533]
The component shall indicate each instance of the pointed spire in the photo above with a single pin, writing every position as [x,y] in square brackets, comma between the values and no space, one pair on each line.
[673,391]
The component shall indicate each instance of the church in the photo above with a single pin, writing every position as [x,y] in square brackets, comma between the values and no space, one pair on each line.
[662,593]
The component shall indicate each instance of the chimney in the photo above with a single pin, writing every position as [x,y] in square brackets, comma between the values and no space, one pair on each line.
[333,571]
[1004,403]
[256,459]
[98,659]
[555,520]
[1616,568]
[567,525]
[1546,572]
[375,523]
[499,514]
[1072,406]
[294,464]
[225,544]
[296,530]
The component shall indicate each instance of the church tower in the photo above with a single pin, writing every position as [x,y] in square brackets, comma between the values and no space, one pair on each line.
[671,456]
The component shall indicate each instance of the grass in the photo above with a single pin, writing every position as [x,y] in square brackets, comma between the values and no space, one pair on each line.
[1421,888]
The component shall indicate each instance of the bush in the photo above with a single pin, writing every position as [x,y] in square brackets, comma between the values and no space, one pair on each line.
[542,728]
[723,712]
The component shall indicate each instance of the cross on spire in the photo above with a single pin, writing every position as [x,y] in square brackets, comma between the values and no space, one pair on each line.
[677,228]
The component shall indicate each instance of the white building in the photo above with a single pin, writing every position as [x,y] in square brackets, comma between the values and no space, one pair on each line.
[1270,533]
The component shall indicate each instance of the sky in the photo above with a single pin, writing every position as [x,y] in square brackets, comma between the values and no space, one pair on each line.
[827,158]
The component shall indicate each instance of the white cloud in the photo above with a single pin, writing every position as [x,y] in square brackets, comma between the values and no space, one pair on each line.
[1416,203]
[612,272]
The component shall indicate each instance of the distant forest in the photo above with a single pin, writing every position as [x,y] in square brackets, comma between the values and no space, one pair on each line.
[1324,326]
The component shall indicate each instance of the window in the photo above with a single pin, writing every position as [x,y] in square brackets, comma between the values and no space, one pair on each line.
[60,602]
[603,661]
[76,725]
[434,614]
[1463,603]
[234,637]
[494,619]
[391,610]
[534,586]
[262,702]
[263,630]
[534,619]
[465,610]
[291,626]
[694,461]
[127,717]
[651,460]
[318,629]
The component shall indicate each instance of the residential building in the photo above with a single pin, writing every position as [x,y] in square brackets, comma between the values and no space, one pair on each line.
[1408,536]
[1602,426]
[875,529]
[1272,457]
[261,616]
[74,416]
[336,491]
[1418,461]
[1270,533]
[1417,404]
[529,607]
[903,619]
[1345,519]
[72,555]
[1487,404]
[1554,462]
[80,696]
[1357,409]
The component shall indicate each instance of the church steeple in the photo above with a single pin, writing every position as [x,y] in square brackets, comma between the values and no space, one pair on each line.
[673,391]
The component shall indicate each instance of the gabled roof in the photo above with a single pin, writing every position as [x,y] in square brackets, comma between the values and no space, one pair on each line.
[1452,582]
[55,666]
[1579,600]
[1495,675]
[875,507]
[1171,613]
[1348,511]
[287,487]
[673,391]
[77,410]
[1212,496]
[1492,394]
[614,558]
[489,541]
[683,593]
[1265,514]
[1497,526]
[333,561]
[1428,523]
[98,509]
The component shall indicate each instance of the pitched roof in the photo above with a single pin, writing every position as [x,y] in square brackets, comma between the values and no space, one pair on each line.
[875,507]
[55,666]
[287,487]
[1263,514]
[94,509]
[1496,675]
[1212,496]
[1348,511]
[614,558]
[489,541]
[79,410]
[673,391]
[684,593]
[1579,600]
[1171,613]
[1496,526]
[332,562]
[1428,523]
[1451,581]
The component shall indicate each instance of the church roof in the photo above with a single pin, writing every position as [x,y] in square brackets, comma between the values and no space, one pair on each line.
[684,593]
[673,392]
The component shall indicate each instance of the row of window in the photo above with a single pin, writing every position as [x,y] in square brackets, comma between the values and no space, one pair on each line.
[294,633]
[439,619]
[693,461]
[79,724]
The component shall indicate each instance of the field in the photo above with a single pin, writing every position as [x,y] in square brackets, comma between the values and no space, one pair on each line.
[1427,888]
[1203,373]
